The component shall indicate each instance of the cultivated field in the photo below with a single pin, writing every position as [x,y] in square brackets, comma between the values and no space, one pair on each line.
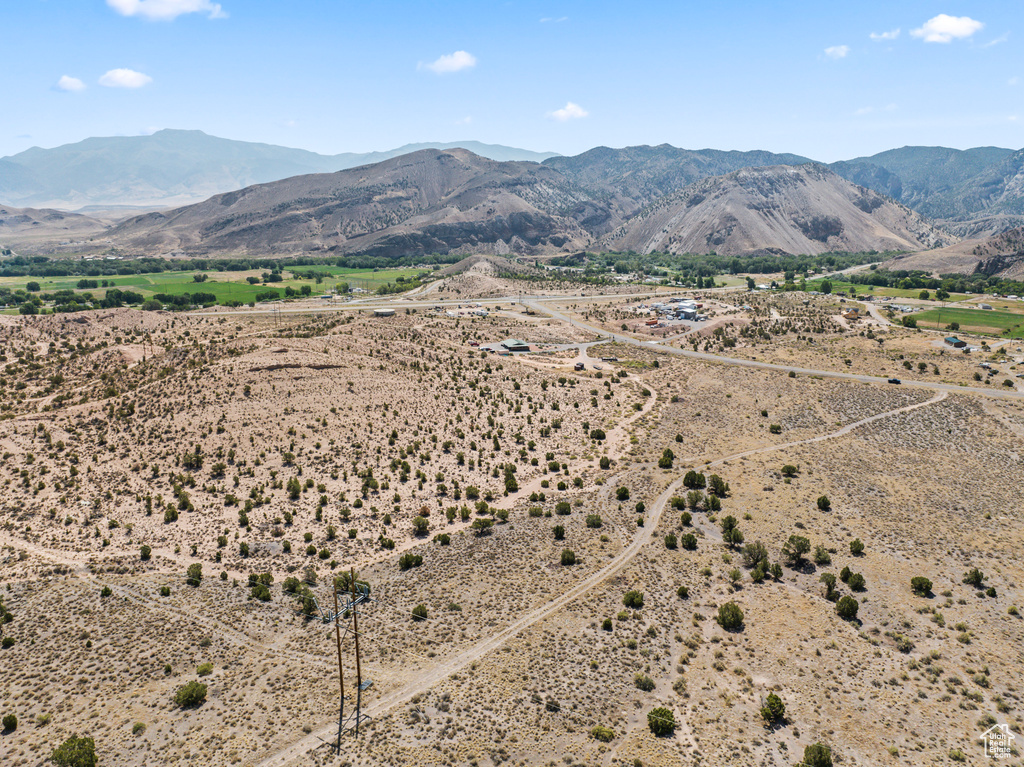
[225,286]
[989,322]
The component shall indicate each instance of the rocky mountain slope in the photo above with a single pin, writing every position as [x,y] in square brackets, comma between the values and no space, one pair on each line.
[456,202]
[175,167]
[973,192]
[1000,255]
[425,202]
[630,178]
[797,209]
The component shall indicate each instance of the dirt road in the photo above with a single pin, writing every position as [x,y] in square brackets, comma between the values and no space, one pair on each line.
[643,535]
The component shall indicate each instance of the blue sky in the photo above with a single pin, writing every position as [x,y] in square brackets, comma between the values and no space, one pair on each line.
[826,80]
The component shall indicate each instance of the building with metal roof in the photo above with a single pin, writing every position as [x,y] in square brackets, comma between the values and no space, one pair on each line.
[515,345]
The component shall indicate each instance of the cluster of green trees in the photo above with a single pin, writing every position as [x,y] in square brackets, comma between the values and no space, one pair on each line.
[400,285]
[947,283]
[30,302]
[186,300]
[690,266]
[75,752]
[259,586]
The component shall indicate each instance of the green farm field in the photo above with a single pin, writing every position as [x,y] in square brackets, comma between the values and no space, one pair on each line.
[1007,324]
[872,290]
[226,286]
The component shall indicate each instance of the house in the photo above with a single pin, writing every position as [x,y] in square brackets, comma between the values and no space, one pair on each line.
[955,342]
[851,314]
[985,306]
[515,345]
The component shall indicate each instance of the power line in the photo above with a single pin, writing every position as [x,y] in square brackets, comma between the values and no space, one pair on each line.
[534,697]
[351,608]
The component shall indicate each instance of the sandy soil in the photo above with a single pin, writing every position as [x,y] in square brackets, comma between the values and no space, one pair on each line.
[315,426]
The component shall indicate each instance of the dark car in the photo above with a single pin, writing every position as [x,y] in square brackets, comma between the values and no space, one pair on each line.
[894,380]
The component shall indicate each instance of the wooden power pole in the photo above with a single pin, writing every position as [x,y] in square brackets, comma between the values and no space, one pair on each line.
[341,676]
[355,632]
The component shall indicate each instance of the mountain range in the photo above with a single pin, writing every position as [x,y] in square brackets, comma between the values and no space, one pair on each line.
[969,192]
[177,167]
[258,198]
[428,201]
[454,201]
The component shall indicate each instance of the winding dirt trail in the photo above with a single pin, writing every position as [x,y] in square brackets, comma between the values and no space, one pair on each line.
[617,440]
[214,626]
[643,535]
[831,435]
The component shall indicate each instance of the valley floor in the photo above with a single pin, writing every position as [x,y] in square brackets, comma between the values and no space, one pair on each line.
[304,445]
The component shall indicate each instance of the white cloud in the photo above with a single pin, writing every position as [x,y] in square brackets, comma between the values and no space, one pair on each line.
[1013,81]
[166,10]
[465,120]
[869,110]
[550,20]
[570,111]
[450,62]
[125,78]
[67,83]
[1001,39]
[837,51]
[892,34]
[945,29]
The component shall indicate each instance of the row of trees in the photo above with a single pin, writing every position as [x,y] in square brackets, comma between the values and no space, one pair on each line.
[43,266]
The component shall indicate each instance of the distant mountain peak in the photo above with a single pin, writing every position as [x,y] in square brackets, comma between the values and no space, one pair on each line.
[427,201]
[175,166]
